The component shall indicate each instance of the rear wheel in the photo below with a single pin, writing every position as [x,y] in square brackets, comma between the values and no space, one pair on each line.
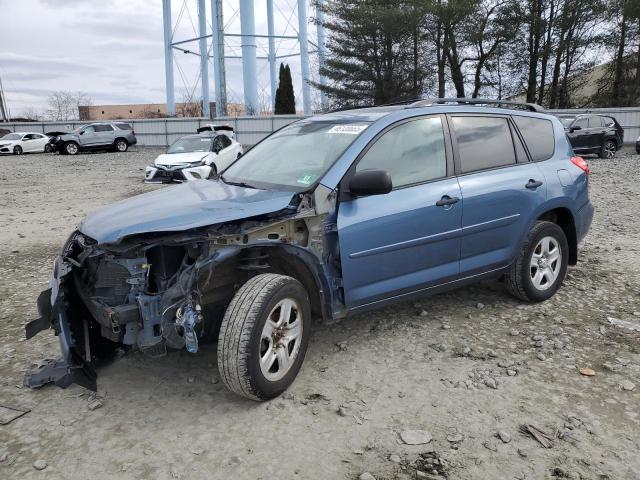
[264,336]
[608,149]
[541,265]
[48,148]
[17,150]
[121,145]
[71,148]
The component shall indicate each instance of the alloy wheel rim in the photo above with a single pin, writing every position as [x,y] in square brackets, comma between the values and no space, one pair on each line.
[610,150]
[546,260]
[72,149]
[280,339]
[121,146]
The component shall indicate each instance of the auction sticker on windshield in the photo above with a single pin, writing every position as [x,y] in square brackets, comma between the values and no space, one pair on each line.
[347,129]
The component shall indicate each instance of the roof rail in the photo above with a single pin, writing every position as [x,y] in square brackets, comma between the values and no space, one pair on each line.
[428,102]
[390,104]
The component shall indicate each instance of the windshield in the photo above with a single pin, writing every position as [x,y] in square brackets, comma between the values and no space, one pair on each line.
[12,136]
[296,156]
[566,121]
[191,144]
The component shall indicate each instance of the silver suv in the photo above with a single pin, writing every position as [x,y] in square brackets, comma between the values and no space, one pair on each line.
[96,136]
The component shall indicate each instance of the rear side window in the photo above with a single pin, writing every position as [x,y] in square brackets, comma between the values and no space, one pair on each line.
[595,122]
[413,152]
[123,126]
[538,135]
[483,142]
[103,128]
[608,122]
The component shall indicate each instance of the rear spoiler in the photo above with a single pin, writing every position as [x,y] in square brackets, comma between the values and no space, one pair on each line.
[225,129]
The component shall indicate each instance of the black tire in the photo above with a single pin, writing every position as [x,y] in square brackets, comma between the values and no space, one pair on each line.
[17,150]
[48,148]
[71,148]
[240,339]
[518,278]
[121,145]
[608,149]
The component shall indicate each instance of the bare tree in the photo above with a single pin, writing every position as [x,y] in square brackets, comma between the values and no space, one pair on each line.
[63,105]
[30,113]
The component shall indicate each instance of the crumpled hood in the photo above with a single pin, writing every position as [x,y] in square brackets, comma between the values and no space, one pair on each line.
[180,158]
[189,205]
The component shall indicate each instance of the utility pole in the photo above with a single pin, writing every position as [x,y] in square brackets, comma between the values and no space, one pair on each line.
[4,111]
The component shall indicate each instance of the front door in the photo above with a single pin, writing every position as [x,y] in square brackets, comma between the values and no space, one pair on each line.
[409,238]
[88,136]
[580,138]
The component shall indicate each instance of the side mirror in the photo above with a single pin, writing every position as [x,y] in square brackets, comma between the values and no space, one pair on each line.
[370,182]
[575,128]
[81,132]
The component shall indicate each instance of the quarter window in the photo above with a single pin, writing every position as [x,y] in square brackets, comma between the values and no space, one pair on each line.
[413,152]
[483,142]
[538,135]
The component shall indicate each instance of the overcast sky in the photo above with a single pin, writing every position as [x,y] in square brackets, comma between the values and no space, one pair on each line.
[113,50]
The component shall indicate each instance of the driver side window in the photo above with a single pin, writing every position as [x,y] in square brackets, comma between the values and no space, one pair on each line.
[582,123]
[89,129]
[413,152]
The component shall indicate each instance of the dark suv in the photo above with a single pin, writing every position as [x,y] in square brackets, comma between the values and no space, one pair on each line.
[329,216]
[118,136]
[588,133]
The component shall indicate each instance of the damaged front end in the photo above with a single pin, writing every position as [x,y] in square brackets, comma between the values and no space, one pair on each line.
[155,291]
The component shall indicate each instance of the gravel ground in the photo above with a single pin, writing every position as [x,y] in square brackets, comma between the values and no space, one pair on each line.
[431,389]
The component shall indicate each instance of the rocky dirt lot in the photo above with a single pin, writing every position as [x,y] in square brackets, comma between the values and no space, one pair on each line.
[433,389]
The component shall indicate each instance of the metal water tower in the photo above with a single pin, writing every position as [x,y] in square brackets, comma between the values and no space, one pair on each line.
[249,55]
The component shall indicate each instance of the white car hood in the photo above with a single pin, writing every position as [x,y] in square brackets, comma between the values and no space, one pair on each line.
[180,158]
[8,143]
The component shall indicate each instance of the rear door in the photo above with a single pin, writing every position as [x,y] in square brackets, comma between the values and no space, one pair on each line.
[402,241]
[596,131]
[500,189]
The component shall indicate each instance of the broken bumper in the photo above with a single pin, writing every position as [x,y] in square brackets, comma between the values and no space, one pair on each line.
[72,367]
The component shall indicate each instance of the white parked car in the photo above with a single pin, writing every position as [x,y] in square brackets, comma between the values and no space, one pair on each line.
[196,156]
[24,142]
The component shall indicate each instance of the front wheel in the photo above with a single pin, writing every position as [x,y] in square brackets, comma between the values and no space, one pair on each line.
[71,148]
[608,149]
[264,336]
[121,145]
[17,150]
[541,265]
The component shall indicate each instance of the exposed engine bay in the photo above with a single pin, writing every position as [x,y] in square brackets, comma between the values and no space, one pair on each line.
[156,291]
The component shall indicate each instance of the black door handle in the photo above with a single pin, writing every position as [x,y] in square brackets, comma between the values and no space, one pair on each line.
[533,184]
[447,200]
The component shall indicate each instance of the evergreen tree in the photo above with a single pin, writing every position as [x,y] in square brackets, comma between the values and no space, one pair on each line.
[375,51]
[285,99]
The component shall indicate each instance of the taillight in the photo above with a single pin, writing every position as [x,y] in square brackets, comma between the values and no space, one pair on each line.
[581,163]
[133,131]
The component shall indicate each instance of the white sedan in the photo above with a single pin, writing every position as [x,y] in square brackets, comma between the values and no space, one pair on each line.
[194,157]
[24,142]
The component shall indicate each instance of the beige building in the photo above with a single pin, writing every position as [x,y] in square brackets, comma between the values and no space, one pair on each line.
[149,110]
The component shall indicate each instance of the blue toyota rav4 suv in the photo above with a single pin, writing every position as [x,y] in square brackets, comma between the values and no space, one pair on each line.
[329,216]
